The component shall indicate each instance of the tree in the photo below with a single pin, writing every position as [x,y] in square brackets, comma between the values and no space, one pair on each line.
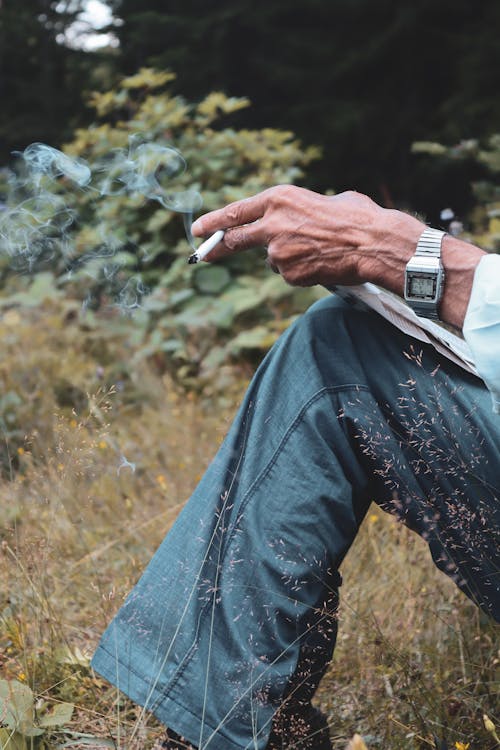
[41,78]
[361,79]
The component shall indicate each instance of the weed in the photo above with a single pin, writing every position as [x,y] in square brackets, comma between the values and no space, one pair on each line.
[102,474]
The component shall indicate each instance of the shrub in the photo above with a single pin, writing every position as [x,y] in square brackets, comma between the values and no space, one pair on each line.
[120,247]
[484,227]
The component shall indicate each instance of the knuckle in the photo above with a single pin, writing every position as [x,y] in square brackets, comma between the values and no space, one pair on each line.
[354,195]
[275,255]
[297,275]
[290,189]
[233,214]
[267,226]
[290,277]
[279,193]
[287,191]
[349,194]
[234,238]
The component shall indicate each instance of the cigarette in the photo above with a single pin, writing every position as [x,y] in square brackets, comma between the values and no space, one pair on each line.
[206,247]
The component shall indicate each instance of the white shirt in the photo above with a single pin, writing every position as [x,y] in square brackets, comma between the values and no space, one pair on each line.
[482,324]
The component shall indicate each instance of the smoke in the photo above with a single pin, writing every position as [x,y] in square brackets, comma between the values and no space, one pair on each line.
[41,159]
[147,169]
[40,212]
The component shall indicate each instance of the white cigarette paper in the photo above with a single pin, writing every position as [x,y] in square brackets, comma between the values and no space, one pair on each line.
[206,247]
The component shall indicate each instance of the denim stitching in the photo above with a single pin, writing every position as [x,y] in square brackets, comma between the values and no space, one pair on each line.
[291,429]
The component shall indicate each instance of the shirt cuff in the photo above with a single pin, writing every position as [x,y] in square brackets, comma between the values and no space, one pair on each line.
[482,324]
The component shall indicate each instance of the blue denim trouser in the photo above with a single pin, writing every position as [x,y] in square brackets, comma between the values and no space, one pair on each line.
[343,411]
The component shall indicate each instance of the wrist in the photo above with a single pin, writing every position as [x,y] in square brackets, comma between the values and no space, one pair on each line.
[393,242]
[460,260]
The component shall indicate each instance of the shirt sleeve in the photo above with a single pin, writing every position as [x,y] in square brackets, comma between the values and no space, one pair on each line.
[482,324]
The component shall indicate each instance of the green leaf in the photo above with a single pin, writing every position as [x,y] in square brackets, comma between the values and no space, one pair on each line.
[87,739]
[124,259]
[59,715]
[12,740]
[42,288]
[211,279]
[181,296]
[259,337]
[17,708]
[274,288]
[11,401]
[214,358]
[242,299]
[159,220]
[172,345]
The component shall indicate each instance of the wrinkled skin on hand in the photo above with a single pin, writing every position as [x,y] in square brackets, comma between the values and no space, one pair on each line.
[310,238]
[341,239]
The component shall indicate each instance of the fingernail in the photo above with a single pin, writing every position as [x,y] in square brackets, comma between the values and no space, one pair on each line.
[196,227]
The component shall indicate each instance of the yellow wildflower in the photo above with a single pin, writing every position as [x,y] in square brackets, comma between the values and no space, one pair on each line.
[490,727]
[357,743]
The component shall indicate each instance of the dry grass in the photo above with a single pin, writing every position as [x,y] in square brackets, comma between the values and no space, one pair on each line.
[78,524]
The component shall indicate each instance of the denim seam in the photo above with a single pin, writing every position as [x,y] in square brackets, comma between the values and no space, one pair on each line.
[166,695]
[290,430]
[327,390]
[128,667]
[186,661]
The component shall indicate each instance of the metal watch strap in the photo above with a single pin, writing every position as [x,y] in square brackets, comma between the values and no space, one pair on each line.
[428,246]
[429,243]
[423,311]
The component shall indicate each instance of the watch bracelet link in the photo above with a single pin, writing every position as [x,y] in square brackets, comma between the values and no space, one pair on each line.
[428,247]
[429,243]
[424,311]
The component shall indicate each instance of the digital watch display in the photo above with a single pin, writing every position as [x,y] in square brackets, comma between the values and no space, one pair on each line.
[424,275]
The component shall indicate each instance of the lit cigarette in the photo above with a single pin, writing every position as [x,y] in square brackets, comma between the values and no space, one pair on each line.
[206,247]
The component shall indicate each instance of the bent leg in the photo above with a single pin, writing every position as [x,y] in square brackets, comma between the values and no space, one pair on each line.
[236,611]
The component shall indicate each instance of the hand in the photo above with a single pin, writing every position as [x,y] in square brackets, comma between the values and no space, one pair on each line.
[310,238]
[340,239]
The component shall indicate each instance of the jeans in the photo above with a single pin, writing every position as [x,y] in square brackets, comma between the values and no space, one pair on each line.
[237,608]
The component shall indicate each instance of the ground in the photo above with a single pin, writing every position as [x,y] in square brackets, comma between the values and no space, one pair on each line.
[94,481]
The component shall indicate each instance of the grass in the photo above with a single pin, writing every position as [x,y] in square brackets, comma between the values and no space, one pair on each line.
[99,454]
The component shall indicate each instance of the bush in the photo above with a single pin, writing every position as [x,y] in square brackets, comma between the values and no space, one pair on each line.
[484,229]
[120,247]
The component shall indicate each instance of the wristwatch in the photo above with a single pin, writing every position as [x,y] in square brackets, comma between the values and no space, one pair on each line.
[424,275]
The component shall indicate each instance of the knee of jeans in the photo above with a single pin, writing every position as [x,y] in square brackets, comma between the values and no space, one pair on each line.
[332,303]
[326,317]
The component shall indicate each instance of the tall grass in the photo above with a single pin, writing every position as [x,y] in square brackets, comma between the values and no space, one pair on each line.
[99,457]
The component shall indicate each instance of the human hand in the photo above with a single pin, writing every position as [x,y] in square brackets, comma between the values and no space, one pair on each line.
[310,238]
[340,239]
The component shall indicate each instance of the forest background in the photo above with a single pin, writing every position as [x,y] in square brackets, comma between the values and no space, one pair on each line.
[120,363]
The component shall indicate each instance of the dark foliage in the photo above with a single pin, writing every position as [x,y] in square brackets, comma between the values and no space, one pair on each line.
[41,79]
[361,79]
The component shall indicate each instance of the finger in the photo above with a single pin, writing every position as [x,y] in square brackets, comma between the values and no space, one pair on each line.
[240,238]
[232,215]
[272,266]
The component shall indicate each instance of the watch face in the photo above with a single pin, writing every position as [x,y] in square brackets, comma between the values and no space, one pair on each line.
[422,286]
